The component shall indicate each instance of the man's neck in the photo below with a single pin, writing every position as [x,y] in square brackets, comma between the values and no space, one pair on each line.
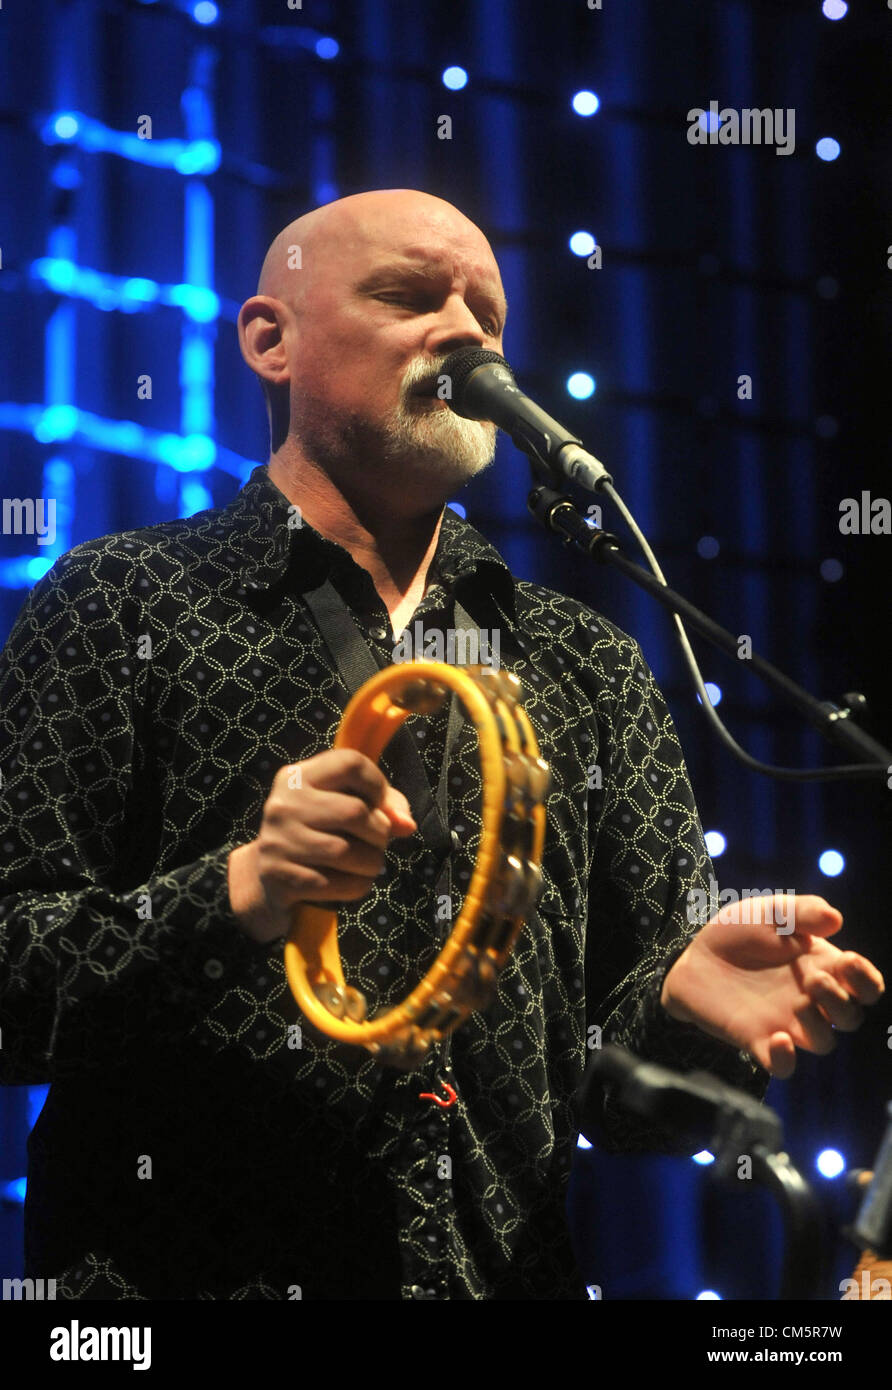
[385,536]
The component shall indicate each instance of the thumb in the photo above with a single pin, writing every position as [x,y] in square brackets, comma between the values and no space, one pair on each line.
[398,811]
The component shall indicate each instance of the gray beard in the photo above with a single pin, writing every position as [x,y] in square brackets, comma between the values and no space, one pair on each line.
[421,440]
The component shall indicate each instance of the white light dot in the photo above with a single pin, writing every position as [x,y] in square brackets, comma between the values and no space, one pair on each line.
[582,243]
[581,385]
[714,693]
[455,78]
[715,843]
[831,863]
[835,9]
[704,1157]
[709,1296]
[830,1163]
[582,1142]
[585,103]
[827,148]
[327,48]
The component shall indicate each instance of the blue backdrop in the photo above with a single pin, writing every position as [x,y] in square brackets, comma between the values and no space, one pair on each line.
[732,320]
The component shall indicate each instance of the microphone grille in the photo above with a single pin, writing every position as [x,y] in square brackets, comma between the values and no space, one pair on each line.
[460,364]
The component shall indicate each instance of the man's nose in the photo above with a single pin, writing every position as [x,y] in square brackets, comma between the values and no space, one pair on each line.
[456,327]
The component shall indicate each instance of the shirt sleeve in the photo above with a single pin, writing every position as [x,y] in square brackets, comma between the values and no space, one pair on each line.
[92,958]
[651,870]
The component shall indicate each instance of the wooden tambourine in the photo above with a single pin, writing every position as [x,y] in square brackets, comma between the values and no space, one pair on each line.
[507,877]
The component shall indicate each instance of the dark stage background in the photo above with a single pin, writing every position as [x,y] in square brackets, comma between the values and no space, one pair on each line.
[125,256]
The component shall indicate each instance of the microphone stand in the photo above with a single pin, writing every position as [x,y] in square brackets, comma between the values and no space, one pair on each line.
[558,513]
[708,1112]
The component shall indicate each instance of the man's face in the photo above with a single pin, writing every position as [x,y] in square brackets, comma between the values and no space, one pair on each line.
[390,296]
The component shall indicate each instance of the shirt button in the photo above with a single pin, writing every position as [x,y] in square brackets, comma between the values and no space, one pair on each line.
[456,839]
[213,969]
[418,1148]
[417,1291]
[379,632]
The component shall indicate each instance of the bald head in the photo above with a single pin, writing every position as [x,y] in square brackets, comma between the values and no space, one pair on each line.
[310,244]
[357,304]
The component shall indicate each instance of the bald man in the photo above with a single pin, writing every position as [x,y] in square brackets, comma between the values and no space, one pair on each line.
[168,705]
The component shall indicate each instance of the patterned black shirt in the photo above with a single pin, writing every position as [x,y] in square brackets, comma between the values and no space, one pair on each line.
[200,1139]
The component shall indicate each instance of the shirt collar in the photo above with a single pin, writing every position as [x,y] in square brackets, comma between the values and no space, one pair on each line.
[266,534]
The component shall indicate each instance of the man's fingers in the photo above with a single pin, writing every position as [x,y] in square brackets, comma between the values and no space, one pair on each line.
[399,812]
[781,1058]
[860,977]
[835,1003]
[811,1031]
[345,770]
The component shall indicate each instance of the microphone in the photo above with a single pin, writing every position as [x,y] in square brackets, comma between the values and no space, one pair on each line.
[483,388]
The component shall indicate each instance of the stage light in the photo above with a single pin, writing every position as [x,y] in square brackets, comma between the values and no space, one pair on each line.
[703,1157]
[327,48]
[56,422]
[713,691]
[457,507]
[710,120]
[830,1163]
[585,103]
[455,78]
[205,12]
[708,547]
[582,1142]
[66,126]
[831,863]
[581,385]
[709,1296]
[835,9]
[14,1191]
[831,570]
[827,148]
[582,243]
[715,843]
[200,304]
[66,175]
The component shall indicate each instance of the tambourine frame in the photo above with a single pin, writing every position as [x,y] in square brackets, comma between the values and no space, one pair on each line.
[503,886]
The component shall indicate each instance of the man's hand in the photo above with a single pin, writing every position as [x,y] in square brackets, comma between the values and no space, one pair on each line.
[326,826]
[767,992]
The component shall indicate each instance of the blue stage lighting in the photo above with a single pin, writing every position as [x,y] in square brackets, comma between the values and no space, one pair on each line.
[703,1157]
[66,126]
[709,1296]
[713,691]
[831,863]
[582,1142]
[831,570]
[327,48]
[457,507]
[710,120]
[14,1191]
[830,1163]
[581,385]
[708,547]
[715,843]
[827,148]
[835,9]
[582,243]
[205,12]
[585,103]
[455,78]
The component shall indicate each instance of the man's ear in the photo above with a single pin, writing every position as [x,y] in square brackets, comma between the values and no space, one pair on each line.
[261,334]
